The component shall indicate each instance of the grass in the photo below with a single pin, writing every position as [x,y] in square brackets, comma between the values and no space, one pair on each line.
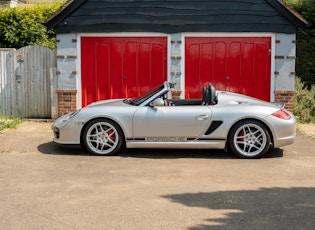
[9,122]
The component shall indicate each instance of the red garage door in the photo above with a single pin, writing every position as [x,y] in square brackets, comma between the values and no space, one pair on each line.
[120,67]
[237,64]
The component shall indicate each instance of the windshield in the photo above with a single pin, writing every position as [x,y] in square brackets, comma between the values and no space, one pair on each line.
[139,100]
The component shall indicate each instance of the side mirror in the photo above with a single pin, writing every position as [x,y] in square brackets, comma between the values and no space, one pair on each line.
[157,102]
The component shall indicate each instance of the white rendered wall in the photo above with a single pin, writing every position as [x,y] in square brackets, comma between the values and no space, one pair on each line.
[285,55]
[67,70]
[282,58]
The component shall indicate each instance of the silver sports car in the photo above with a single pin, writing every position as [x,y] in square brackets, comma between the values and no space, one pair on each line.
[219,120]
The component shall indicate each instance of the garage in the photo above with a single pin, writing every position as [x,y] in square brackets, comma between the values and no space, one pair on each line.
[114,49]
[234,64]
[121,67]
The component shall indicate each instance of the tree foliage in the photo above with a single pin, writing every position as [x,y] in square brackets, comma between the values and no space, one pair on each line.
[23,25]
[305,62]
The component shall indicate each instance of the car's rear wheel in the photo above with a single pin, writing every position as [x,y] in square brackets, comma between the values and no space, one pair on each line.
[249,139]
[102,137]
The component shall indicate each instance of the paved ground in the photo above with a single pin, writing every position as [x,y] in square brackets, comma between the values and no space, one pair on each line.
[45,186]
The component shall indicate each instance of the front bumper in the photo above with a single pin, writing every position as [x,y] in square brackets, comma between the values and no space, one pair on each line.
[66,131]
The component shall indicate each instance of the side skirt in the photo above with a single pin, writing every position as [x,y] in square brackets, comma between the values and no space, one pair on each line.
[197,144]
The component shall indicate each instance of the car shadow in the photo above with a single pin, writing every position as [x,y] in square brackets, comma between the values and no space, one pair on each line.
[175,153]
[55,149]
[189,153]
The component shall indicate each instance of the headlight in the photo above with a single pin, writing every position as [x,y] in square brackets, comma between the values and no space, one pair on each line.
[68,116]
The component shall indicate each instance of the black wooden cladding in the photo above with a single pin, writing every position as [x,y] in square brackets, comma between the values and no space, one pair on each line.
[175,16]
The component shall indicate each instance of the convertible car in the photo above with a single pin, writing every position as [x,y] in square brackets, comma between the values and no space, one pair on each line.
[245,126]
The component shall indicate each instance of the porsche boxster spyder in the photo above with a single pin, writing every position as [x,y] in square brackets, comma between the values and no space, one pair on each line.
[243,125]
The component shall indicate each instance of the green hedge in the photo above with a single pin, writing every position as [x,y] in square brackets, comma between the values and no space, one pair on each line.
[23,25]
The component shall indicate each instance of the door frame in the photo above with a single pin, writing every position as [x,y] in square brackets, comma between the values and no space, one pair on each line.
[78,60]
[229,35]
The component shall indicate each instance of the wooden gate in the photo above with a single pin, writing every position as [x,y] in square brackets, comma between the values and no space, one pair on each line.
[26,79]
[7,84]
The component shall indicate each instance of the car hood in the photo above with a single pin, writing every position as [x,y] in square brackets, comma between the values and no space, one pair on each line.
[228,98]
[112,102]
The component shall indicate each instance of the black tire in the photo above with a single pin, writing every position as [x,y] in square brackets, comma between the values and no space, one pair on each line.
[249,139]
[102,137]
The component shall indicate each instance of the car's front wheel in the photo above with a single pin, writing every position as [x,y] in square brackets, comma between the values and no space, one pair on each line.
[102,137]
[249,139]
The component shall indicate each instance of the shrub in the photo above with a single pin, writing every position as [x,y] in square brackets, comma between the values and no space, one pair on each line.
[304,102]
[23,25]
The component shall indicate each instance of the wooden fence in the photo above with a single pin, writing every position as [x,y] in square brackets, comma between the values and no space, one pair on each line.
[28,82]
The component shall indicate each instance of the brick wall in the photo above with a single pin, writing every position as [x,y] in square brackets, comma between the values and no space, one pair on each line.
[67,101]
[285,96]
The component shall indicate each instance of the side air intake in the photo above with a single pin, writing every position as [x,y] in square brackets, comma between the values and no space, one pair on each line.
[214,125]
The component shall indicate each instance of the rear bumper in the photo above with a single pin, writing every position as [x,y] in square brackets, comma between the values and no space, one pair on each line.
[284,141]
[284,131]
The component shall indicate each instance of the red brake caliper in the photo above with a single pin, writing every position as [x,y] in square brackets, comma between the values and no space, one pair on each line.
[242,134]
[112,137]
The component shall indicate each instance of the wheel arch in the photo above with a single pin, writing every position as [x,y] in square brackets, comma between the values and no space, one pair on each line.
[106,118]
[253,119]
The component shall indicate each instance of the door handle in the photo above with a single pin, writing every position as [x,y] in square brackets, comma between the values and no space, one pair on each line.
[201,117]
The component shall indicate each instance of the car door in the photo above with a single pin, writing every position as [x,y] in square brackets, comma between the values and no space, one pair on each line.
[171,122]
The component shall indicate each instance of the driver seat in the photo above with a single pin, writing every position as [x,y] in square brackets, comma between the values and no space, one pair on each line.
[206,96]
[213,95]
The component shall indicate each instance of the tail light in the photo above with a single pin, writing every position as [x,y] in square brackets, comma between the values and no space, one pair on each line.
[281,114]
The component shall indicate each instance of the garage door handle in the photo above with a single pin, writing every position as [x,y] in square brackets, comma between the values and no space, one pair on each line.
[201,117]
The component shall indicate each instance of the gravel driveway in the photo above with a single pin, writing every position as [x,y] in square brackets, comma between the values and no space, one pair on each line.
[46,186]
